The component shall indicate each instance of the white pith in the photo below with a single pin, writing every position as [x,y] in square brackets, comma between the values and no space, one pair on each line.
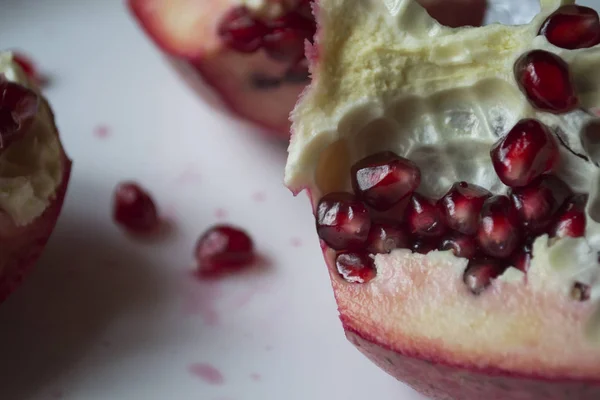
[31,167]
[388,77]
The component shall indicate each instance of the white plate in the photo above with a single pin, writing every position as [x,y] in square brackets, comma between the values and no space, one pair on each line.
[107,317]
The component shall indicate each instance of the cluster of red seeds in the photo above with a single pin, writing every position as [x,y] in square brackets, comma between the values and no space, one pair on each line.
[492,231]
[282,39]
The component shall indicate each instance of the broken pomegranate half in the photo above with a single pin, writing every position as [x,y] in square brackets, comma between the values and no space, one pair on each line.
[34,172]
[251,52]
[456,188]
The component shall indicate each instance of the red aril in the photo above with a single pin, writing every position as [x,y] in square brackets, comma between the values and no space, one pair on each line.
[223,249]
[343,221]
[570,220]
[355,267]
[29,67]
[526,152]
[480,273]
[538,202]
[424,246]
[18,108]
[382,180]
[134,209]
[545,80]
[521,259]
[385,236]
[572,27]
[461,206]
[241,31]
[423,217]
[499,232]
[460,245]
[284,44]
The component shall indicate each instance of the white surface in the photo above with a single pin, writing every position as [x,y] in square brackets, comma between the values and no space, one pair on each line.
[107,317]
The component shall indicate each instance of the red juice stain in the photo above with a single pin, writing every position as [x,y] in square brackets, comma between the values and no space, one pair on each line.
[102,131]
[256,377]
[220,213]
[259,197]
[206,373]
[296,242]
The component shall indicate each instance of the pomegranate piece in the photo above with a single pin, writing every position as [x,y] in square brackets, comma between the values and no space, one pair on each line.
[423,217]
[343,221]
[382,180]
[537,202]
[499,231]
[545,80]
[386,236]
[526,152]
[480,273]
[18,108]
[572,27]
[285,41]
[241,31]
[424,246]
[521,259]
[461,245]
[461,206]
[223,249]
[570,220]
[134,209]
[298,72]
[28,66]
[355,267]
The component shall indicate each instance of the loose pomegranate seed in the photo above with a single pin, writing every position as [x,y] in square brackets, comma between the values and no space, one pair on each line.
[572,27]
[18,108]
[581,291]
[461,245]
[570,219]
[355,267]
[479,274]
[241,31]
[537,202]
[386,236]
[284,44]
[424,246]
[134,209]
[343,221]
[499,230]
[223,248]
[461,206]
[544,78]
[521,259]
[526,152]
[423,217]
[382,180]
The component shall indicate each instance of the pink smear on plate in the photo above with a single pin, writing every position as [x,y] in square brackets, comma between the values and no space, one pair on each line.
[189,175]
[259,197]
[201,299]
[256,377]
[102,131]
[207,373]
[296,242]
[220,213]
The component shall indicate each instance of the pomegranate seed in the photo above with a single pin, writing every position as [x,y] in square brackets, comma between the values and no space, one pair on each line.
[303,26]
[544,78]
[134,209]
[581,291]
[461,245]
[498,233]
[537,202]
[284,44]
[572,27]
[223,248]
[298,72]
[526,152]
[522,258]
[355,267]
[423,217]
[479,274]
[18,108]
[386,236]
[570,220]
[423,246]
[382,180]
[343,221]
[461,206]
[240,31]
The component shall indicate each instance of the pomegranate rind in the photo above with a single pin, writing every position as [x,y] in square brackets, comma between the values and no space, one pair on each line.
[23,245]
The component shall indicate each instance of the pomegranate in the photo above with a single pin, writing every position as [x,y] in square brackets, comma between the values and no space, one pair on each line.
[222,249]
[252,52]
[134,209]
[34,173]
[476,146]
